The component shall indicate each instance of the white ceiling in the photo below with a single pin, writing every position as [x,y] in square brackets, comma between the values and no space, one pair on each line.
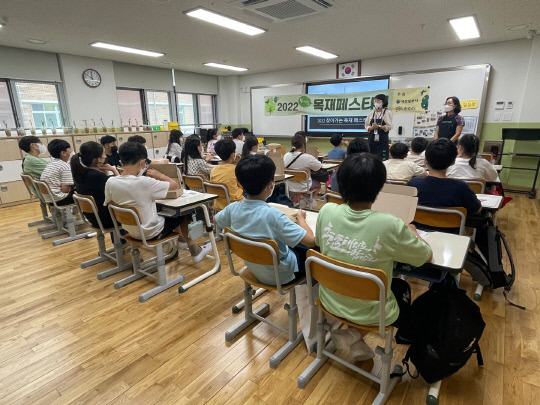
[352,29]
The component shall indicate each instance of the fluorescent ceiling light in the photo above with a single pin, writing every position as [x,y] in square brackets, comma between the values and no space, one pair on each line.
[1,25]
[465,27]
[224,22]
[316,52]
[126,49]
[220,66]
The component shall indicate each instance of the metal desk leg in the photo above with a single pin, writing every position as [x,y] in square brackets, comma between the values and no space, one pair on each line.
[217,264]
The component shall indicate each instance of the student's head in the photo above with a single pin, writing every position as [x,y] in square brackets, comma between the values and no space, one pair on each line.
[419,144]
[91,155]
[399,150]
[137,139]
[454,102]
[192,149]
[382,99]
[468,146]
[211,134]
[251,145]
[238,133]
[225,149]
[303,133]
[255,173]
[358,145]
[336,139]
[298,143]
[361,178]
[133,154]
[175,136]
[441,154]
[60,149]
[28,143]
[109,144]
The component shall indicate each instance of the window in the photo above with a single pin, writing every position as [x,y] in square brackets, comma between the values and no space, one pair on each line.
[38,105]
[129,104]
[157,104]
[186,113]
[6,114]
[206,111]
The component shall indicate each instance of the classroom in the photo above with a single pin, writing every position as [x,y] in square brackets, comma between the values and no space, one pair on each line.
[188,215]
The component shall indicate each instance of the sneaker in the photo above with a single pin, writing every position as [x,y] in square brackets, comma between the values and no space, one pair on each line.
[182,246]
[314,204]
[204,250]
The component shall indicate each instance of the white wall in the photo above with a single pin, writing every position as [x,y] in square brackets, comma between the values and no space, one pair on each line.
[514,75]
[87,103]
[142,77]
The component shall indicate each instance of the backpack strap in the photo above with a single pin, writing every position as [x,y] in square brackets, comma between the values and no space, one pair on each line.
[405,363]
[479,358]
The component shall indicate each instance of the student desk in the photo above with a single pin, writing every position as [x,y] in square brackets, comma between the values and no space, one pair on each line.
[178,206]
[329,166]
[284,180]
[491,203]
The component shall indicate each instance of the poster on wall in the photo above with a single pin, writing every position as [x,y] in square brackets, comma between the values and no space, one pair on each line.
[425,123]
[470,125]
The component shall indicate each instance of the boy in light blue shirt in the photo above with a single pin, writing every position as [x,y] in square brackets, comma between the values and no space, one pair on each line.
[255,219]
[336,152]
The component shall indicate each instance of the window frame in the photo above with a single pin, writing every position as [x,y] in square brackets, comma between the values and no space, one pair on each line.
[169,99]
[196,110]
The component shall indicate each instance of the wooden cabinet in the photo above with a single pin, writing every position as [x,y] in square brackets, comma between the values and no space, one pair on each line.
[9,150]
[160,139]
[13,191]
[78,140]
[10,170]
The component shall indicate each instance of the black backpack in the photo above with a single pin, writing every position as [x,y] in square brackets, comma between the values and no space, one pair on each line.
[443,328]
[487,268]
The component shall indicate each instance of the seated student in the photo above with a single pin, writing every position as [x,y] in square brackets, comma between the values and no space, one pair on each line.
[213,137]
[194,163]
[132,188]
[417,154]
[336,152]
[355,234]
[174,148]
[251,145]
[256,175]
[89,168]
[297,158]
[111,150]
[238,138]
[436,190]
[58,172]
[224,172]
[398,168]
[357,145]
[32,163]
[468,165]
[142,141]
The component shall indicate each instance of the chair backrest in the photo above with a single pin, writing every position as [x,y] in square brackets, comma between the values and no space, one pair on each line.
[488,156]
[29,184]
[87,204]
[237,158]
[451,217]
[477,185]
[299,175]
[348,279]
[333,197]
[193,181]
[219,189]
[45,192]
[126,215]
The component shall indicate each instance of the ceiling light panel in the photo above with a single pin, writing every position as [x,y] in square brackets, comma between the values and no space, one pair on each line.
[225,22]
[465,27]
[316,52]
[228,67]
[126,49]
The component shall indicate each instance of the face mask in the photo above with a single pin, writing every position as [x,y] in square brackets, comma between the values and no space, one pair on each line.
[448,108]
[42,148]
[219,137]
[271,191]
[114,149]
[71,155]
[142,171]
[378,105]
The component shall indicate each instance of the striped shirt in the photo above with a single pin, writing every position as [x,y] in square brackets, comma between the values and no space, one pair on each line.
[56,174]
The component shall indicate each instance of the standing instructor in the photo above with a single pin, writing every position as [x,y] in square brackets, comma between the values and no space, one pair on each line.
[378,124]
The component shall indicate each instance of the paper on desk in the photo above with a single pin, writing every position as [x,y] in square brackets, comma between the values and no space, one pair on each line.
[489,200]
[290,212]
[399,205]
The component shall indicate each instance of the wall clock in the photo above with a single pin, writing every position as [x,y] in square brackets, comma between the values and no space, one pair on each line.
[92,78]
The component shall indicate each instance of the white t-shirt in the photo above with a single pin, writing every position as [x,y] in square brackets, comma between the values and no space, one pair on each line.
[142,193]
[175,151]
[463,170]
[401,169]
[306,161]
[239,145]
[418,159]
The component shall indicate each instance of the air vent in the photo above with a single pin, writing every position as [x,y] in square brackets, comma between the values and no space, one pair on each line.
[284,10]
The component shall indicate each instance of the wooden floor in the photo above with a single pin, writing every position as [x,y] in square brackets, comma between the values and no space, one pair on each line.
[66,337]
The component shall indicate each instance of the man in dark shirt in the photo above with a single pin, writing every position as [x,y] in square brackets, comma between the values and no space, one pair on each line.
[111,150]
[436,190]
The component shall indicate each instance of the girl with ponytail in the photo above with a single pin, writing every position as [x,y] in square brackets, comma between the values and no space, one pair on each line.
[468,165]
[90,172]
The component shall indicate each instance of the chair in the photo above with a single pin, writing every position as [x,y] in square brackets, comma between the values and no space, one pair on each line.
[127,215]
[397,181]
[62,217]
[333,197]
[47,219]
[87,205]
[223,196]
[477,185]
[193,181]
[488,156]
[263,252]
[302,176]
[355,282]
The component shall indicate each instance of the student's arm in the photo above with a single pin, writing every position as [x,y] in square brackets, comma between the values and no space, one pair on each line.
[367,121]
[66,188]
[153,173]
[66,180]
[309,238]
[411,248]
[108,168]
[413,229]
[314,163]
[469,200]
[419,171]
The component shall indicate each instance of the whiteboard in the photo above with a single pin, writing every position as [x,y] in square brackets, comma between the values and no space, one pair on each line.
[263,125]
[465,82]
